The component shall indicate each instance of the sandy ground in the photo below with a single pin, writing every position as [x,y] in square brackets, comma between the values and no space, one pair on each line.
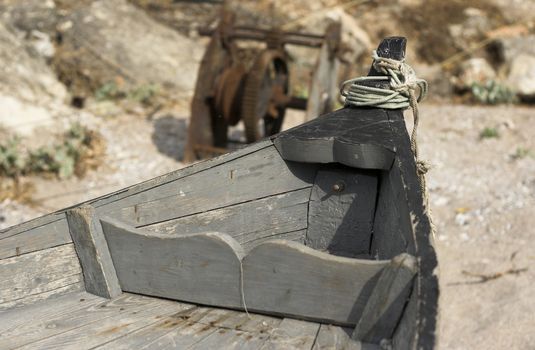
[482,194]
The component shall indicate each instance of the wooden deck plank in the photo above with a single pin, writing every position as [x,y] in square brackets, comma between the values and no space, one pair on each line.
[25,325]
[246,222]
[147,335]
[72,284]
[48,235]
[192,329]
[38,272]
[334,338]
[237,330]
[104,322]
[14,318]
[258,175]
[292,334]
[90,244]
[231,339]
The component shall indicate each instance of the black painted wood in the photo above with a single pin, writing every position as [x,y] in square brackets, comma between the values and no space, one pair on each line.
[360,140]
[341,211]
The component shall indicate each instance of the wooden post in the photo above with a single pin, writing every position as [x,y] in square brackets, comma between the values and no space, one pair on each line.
[92,249]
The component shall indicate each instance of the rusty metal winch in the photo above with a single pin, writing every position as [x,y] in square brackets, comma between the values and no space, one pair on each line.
[229,91]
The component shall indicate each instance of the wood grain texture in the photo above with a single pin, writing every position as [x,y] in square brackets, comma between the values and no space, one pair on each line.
[237,330]
[385,306]
[287,278]
[247,222]
[200,268]
[392,233]
[189,328]
[48,235]
[133,193]
[341,222]
[334,150]
[292,334]
[257,175]
[334,338]
[25,325]
[359,139]
[106,322]
[90,244]
[31,224]
[426,281]
[404,335]
[50,272]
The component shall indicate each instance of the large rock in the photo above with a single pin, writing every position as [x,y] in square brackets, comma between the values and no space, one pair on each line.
[353,36]
[29,91]
[30,15]
[522,76]
[104,40]
[505,49]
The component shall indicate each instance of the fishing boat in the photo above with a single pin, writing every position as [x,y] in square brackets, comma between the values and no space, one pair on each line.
[315,238]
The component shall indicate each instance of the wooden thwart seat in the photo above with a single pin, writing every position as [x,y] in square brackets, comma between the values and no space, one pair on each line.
[278,277]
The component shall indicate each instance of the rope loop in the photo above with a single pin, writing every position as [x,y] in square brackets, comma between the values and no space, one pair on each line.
[402,80]
[405,90]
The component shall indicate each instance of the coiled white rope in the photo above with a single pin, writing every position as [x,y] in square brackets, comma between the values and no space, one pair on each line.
[405,91]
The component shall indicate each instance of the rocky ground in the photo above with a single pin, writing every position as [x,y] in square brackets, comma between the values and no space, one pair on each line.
[482,181]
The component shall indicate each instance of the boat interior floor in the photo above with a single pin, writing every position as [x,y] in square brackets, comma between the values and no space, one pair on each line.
[85,321]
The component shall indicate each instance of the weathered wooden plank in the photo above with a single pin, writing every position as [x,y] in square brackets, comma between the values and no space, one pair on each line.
[292,334]
[200,268]
[334,150]
[246,222]
[287,278]
[392,234]
[38,272]
[138,189]
[296,236]
[231,339]
[237,330]
[90,244]
[31,224]
[146,336]
[341,211]
[254,176]
[334,338]
[70,284]
[48,235]
[385,306]
[404,335]
[108,325]
[25,325]
[12,319]
[185,333]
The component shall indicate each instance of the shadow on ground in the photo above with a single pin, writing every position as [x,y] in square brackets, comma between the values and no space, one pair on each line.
[169,136]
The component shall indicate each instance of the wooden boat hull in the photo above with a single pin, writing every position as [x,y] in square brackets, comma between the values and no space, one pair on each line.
[325,222]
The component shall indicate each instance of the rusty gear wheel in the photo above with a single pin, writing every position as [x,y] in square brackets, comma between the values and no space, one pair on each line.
[265,96]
